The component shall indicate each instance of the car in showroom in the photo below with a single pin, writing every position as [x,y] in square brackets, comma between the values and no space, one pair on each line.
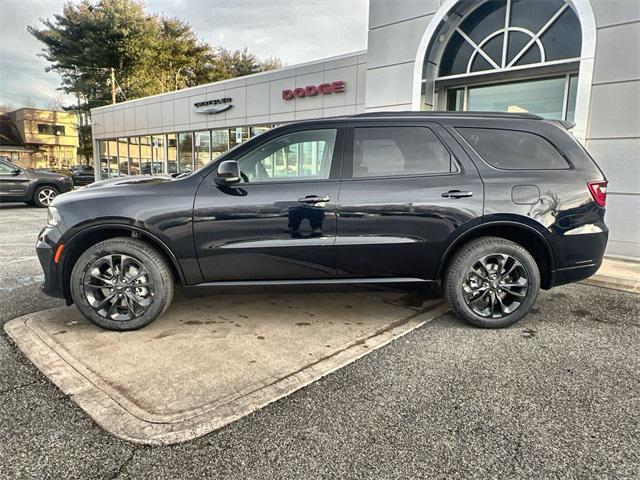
[30,186]
[493,206]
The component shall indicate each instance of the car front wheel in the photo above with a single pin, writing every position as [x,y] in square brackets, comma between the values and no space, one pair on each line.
[492,282]
[122,284]
[43,196]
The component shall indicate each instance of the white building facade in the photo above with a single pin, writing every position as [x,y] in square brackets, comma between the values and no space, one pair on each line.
[574,60]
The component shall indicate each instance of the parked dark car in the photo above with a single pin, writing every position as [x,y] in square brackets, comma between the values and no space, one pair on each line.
[82,175]
[30,186]
[59,171]
[494,206]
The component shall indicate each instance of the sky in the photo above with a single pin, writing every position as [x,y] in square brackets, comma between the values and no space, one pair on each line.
[294,30]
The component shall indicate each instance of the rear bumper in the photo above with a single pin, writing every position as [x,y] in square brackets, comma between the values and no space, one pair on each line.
[574,274]
[579,256]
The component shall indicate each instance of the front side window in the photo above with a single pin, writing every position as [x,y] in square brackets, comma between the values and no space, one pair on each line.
[399,151]
[303,155]
[513,149]
[6,168]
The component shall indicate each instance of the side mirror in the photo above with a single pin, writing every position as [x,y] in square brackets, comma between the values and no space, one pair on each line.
[228,173]
[16,171]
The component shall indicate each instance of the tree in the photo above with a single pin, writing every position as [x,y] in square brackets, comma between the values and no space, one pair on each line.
[149,54]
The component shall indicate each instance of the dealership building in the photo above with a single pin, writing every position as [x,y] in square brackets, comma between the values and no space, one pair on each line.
[574,60]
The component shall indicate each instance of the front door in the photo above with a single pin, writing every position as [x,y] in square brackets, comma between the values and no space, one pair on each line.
[280,222]
[406,188]
[12,185]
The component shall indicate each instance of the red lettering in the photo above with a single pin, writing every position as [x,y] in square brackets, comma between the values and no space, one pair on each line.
[337,87]
[287,94]
[324,88]
[311,90]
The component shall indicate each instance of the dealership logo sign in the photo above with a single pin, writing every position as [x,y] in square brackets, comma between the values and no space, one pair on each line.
[313,90]
[217,105]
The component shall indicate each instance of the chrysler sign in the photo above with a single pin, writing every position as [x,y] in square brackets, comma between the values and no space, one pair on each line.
[313,90]
[213,106]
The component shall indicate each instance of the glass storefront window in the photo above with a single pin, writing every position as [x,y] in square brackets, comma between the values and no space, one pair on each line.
[219,142]
[238,135]
[545,97]
[571,98]
[202,149]
[157,149]
[134,155]
[146,168]
[172,153]
[185,152]
[123,156]
[112,146]
[455,100]
[104,159]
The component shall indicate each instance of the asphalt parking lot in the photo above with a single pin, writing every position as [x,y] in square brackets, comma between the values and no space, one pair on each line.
[555,396]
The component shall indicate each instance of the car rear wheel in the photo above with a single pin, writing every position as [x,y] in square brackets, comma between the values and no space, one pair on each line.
[492,282]
[122,284]
[43,196]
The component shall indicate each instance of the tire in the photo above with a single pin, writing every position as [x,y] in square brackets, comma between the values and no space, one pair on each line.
[106,300]
[44,195]
[480,299]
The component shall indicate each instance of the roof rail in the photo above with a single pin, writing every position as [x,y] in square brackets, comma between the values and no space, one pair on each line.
[529,116]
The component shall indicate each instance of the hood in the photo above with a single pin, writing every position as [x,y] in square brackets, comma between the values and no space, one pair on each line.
[131,180]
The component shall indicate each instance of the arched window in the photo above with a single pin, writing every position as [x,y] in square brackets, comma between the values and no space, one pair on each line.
[499,35]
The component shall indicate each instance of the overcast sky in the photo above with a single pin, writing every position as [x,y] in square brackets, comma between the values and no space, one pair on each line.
[294,30]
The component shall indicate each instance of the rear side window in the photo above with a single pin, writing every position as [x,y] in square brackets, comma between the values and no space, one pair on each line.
[397,151]
[513,150]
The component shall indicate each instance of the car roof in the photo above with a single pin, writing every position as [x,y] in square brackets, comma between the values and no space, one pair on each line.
[418,115]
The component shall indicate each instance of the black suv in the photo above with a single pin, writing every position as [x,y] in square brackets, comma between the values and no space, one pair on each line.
[494,206]
[30,186]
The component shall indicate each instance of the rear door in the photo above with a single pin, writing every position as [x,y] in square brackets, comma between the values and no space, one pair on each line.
[407,188]
[280,222]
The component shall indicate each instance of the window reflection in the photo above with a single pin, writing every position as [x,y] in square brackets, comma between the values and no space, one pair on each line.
[123,156]
[157,153]
[160,154]
[185,152]
[544,97]
[172,153]
[219,142]
[146,167]
[202,149]
[112,147]
[134,155]
[104,159]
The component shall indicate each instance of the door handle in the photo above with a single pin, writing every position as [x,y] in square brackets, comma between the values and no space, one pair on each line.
[312,199]
[457,194]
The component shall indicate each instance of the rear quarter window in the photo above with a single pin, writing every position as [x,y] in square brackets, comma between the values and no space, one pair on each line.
[513,149]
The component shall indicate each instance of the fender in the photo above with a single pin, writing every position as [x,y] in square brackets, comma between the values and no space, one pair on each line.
[486,224]
[121,225]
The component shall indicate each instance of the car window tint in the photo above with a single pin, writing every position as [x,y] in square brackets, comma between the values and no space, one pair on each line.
[390,151]
[513,149]
[4,168]
[302,155]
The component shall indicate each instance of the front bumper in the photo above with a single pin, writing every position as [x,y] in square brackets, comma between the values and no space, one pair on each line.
[45,249]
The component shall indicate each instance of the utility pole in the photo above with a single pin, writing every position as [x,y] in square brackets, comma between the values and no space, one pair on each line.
[113,86]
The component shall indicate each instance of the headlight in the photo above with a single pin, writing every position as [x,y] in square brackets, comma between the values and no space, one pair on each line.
[53,217]
[64,179]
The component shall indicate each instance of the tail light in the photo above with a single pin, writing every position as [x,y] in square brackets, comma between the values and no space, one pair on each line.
[598,191]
